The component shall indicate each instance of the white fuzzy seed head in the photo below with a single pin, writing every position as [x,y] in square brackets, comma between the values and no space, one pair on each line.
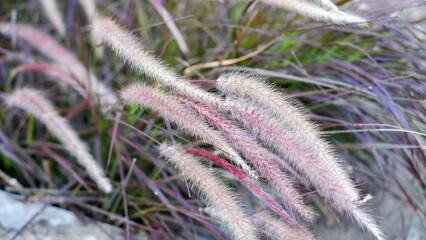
[276,228]
[310,10]
[272,117]
[129,48]
[32,101]
[217,195]
[54,14]
[168,107]
[64,58]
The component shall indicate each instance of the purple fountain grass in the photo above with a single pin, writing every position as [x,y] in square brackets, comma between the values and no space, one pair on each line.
[253,186]
[33,102]
[325,173]
[54,51]
[315,12]
[258,155]
[217,195]
[169,107]
[129,48]
[55,16]
[275,228]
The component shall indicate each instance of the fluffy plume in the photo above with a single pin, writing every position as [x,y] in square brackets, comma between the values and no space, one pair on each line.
[259,156]
[51,49]
[287,131]
[216,193]
[33,102]
[169,107]
[52,11]
[89,7]
[275,228]
[129,48]
[328,4]
[315,12]
[254,187]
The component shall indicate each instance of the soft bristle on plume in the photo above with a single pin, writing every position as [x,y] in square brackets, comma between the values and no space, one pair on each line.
[328,4]
[215,192]
[254,187]
[55,16]
[130,48]
[276,228]
[258,155]
[64,58]
[33,102]
[317,13]
[285,129]
[168,106]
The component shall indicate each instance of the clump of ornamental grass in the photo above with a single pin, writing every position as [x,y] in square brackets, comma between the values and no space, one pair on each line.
[259,163]
[319,166]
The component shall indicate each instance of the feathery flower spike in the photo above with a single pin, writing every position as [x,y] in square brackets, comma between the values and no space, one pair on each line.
[52,11]
[275,228]
[52,50]
[315,12]
[328,4]
[291,134]
[89,7]
[215,192]
[258,155]
[129,48]
[253,186]
[33,102]
[168,107]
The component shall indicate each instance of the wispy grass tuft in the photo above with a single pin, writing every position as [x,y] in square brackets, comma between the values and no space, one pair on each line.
[254,187]
[66,59]
[35,103]
[305,8]
[258,156]
[217,195]
[130,49]
[280,125]
[55,16]
[169,107]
